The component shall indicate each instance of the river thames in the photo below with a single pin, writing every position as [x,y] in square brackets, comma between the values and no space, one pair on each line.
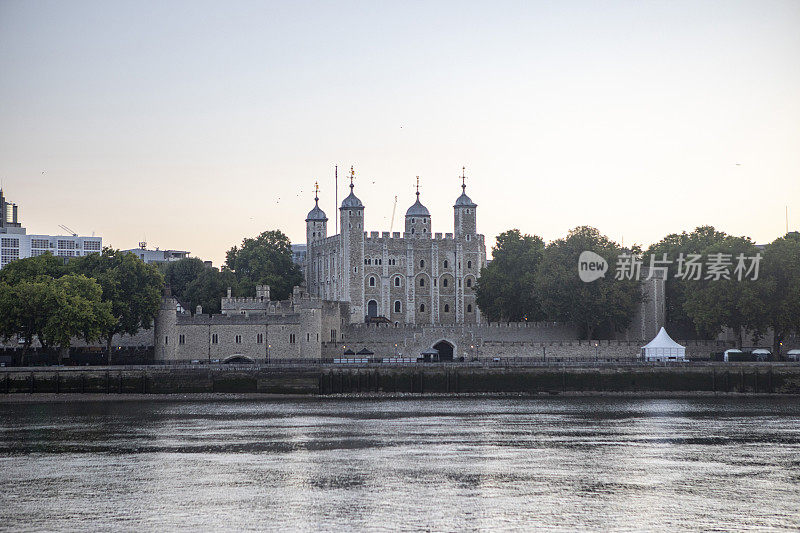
[436,463]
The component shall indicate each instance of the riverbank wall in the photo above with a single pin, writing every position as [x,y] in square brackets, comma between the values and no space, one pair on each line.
[747,378]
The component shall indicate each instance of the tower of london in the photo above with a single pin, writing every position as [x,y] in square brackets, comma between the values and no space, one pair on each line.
[419,277]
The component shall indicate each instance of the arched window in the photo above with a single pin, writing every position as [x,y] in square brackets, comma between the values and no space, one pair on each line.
[446,308]
[371,281]
[444,282]
[397,281]
[422,263]
[421,282]
[445,263]
[397,306]
[469,264]
[412,231]
[469,308]
[421,308]
[469,282]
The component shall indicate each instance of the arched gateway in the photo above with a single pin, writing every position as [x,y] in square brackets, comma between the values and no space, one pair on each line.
[445,350]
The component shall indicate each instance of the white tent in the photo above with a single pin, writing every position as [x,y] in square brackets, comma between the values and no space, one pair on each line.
[663,348]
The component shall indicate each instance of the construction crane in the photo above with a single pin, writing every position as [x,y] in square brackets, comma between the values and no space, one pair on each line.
[394,208]
[65,228]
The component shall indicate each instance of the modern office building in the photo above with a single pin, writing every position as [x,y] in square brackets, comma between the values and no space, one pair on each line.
[15,243]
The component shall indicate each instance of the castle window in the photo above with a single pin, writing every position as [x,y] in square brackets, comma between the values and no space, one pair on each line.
[468,236]
[422,263]
[459,283]
[421,308]
[292,338]
[260,338]
[421,282]
[365,261]
[333,335]
[308,337]
[397,281]
[444,282]
[412,231]
[469,264]
[214,338]
[446,308]
[238,339]
[434,282]
[469,282]
[413,220]
[445,263]
[469,308]
[397,306]
[181,339]
[371,281]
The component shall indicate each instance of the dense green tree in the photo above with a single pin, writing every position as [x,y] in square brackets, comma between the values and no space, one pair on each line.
[600,307]
[779,280]
[132,287]
[74,308]
[208,288]
[32,268]
[24,310]
[725,301]
[265,260]
[698,241]
[53,310]
[506,287]
[179,274]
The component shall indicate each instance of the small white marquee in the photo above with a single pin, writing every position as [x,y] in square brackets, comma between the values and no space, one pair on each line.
[663,348]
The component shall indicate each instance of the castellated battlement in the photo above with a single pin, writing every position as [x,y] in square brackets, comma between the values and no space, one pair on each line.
[379,237]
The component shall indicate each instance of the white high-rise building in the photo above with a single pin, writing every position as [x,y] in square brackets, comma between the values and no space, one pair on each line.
[15,243]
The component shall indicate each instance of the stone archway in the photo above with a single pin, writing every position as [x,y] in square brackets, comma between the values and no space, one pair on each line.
[372,309]
[445,350]
[238,358]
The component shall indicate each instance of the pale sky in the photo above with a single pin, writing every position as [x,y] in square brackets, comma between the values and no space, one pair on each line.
[195,124]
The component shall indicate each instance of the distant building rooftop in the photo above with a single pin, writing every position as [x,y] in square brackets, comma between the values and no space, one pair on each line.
[157,255]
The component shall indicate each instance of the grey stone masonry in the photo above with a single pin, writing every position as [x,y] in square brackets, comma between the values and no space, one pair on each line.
[419,277]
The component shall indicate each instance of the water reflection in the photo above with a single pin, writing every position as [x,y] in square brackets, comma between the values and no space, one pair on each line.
[440,464]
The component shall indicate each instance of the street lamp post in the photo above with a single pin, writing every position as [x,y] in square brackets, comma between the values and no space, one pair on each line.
[268,347]
[596,349]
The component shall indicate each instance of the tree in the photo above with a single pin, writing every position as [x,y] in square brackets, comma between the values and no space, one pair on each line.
[24,310]
[265,260]
[53,310]
[132,288]
[602,306]
[506,287]
[779,281]
[32,268]
[208,288]
[675,289]
[714,304]
[74,308]
[179,274]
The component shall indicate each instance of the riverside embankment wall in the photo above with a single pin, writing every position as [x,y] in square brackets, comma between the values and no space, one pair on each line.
[774,378]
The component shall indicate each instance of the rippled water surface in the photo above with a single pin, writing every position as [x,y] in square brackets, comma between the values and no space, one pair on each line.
[443,464]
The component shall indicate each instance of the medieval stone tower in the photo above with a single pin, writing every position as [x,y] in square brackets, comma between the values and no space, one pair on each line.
[420,277]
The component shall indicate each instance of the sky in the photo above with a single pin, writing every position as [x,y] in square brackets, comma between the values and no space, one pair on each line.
[192,125]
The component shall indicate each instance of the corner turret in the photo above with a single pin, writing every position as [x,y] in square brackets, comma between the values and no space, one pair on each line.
[464,212]
[418,219]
